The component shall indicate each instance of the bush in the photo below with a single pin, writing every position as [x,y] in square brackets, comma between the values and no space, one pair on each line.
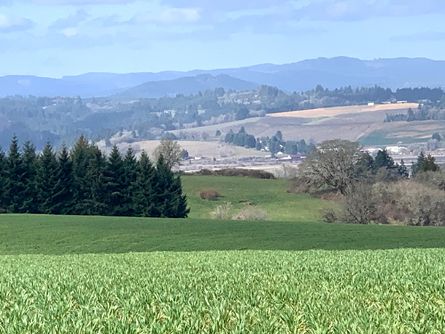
[360,206]
[329,216]
[222,212]
[209,195]
[251,213]
[433,179]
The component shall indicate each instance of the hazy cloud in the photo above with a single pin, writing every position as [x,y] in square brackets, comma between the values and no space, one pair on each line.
[168,16]
[71,21]
[350,10]
[11,23]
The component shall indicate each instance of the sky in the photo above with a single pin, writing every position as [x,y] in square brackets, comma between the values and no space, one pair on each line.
[67,37]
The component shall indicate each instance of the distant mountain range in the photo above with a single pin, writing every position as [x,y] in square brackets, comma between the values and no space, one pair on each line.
[299,76]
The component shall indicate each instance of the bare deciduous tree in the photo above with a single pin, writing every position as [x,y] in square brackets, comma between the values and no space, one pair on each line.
[171,152]
[333,164]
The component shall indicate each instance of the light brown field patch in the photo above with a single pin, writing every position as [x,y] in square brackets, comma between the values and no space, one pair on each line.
[335,111]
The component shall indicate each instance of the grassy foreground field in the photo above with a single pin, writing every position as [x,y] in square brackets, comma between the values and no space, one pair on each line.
[292,274]
[398,291]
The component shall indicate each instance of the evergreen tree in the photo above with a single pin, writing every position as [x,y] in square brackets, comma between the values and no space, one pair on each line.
[96,180]
[129,176]
[165,197]
[115,193]
[171,201]
[62,194]
[30,203]
[81,155]
[145,197]
[425,164]
[403,170]
[47,179]
[383,160]
[2,180]
[14,187]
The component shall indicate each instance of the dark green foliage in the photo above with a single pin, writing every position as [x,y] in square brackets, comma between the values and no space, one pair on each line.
[113,175]
[2,181]
[171,202]
[86,182]
[129,175]
[14,185]
[145,198]
[30,205]
[81,155]
[383,160]
[95,204]
[425,164]
[47,179]
[62,194]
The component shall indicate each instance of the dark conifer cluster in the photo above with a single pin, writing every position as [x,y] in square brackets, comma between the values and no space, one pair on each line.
[84,181]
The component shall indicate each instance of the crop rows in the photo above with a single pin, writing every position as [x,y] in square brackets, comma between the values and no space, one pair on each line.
[395,291]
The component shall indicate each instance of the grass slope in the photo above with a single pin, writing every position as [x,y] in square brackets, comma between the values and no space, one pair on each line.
[270,195]
[21,234]
[397,291]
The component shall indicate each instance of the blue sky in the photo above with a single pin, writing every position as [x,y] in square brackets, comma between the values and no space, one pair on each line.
[65,37]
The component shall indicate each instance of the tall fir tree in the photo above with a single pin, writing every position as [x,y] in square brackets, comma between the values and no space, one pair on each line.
[145,199]
[129,176]
[2,180]
[114,183]
[46,179]
[96,180]
[383,160]
[14,187]
[81,155]
[30,203]
[62,202]
[171,201]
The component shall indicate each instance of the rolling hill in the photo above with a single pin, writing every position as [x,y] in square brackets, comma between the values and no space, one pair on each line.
[302,75]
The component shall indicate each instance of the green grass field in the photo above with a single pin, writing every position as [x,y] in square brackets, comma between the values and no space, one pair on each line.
[290,274]
[399,291]
[270,195]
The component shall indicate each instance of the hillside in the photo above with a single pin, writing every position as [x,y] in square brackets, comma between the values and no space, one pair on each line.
[302,75]
[186,86]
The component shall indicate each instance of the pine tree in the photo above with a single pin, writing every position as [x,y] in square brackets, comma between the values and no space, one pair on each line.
[2,180]
[129,176]
[30,203]
[171,201]
[80,156]
[96,180]
[14,187]
[403,170]
[114,183]
[180,209]
[383,160]
[62,193]
[46,179]
[145,197]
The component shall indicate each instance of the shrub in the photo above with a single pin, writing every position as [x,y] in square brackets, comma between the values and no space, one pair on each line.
[222,212]
[209,195]
[329,216]
[360,206]
[251,213]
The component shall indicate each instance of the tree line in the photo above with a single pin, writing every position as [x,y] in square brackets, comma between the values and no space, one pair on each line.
[274,144]
[85,181]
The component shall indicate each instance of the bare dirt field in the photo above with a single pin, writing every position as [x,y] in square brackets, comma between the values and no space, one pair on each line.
[209,149]
[336,111]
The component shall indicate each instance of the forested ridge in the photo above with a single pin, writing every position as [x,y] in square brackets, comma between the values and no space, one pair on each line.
[85,181]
